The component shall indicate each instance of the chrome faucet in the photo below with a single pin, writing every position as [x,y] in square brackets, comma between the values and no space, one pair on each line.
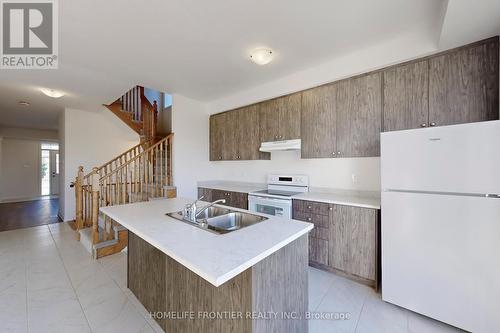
[191,212]
[208,206]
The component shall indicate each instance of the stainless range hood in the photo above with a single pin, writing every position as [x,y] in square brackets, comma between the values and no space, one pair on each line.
[280,145]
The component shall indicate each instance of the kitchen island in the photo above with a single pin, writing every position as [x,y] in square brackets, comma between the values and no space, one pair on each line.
[192,280]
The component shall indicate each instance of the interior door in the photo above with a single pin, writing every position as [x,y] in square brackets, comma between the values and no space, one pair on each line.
[54,172]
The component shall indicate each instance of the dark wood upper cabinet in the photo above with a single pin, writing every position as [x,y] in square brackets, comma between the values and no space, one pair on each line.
[463,85]
[247,138]
[234,135]
[406,96]
[269,120]
[359,116]
[217,136]
[289,116]
[319,122]
[280,118]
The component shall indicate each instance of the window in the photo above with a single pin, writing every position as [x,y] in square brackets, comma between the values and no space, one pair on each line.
[50,146]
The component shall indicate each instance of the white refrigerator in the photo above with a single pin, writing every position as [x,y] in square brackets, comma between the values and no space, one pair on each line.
[441,223]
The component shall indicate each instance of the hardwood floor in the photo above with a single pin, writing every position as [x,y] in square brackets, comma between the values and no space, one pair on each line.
[17,215]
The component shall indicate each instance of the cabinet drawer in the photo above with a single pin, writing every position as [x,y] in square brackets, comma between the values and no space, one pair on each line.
[320,232]
[318,220]
[318,250]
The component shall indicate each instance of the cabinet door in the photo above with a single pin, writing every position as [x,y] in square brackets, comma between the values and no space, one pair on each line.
[217,137]
[289,116]
[247,136]
[231,131]
[353,240]
[318,122]
[463,85]
[206,193]
[238,200]
[219,194]
[359,116]
[406,96]
[269,120]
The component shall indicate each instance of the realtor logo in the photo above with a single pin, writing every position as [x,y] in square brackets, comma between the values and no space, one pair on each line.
[29,34]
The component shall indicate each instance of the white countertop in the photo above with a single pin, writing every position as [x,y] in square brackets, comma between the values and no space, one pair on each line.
[232,186]
[343,197]
[216,258]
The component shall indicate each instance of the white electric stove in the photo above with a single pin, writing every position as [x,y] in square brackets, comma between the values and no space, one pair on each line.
[277,199]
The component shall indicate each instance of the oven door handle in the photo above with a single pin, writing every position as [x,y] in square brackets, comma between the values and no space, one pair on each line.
[267,198]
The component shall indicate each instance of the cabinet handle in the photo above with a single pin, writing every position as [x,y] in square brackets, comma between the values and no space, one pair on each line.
[433,124]
[220,157]
[423,125]
[280,137]
[309,207]
[309,219]
[338,153]
[331,208]
[275,137]
[333,153]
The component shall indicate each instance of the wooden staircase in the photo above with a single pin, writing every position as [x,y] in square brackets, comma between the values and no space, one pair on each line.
[142,173]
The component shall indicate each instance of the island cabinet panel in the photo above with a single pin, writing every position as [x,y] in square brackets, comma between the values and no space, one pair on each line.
[463,85]
[147,275]
[319,122]
[359,116]
[406,96]
[278,284]
[280,118]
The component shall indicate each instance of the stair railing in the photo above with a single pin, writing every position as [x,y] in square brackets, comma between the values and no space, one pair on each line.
[141,177]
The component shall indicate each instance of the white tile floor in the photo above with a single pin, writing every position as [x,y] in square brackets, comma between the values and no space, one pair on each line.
[49,283]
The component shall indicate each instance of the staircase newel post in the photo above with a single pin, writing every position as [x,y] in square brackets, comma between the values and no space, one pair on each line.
[79,198]
[155,120]
[95,206]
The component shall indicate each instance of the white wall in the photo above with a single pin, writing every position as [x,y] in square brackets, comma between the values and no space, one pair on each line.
[90,139]
[20,162]
[20,176]
[62,173]
[28,134]
[190,145]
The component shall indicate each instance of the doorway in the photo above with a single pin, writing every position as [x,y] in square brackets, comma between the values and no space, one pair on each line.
[49,169]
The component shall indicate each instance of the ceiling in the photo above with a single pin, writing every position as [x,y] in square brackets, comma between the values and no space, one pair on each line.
[200,48]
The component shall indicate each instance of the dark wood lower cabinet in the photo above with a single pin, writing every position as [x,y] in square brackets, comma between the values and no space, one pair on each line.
[344,239]
[233,199]
[277,284]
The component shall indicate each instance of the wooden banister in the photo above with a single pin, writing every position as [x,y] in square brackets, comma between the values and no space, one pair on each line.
[136,178]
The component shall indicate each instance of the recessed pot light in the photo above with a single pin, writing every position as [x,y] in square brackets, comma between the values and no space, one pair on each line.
[261,56]
[52,93]
[24,103]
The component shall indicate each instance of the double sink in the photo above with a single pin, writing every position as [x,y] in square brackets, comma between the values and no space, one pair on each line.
[220,220]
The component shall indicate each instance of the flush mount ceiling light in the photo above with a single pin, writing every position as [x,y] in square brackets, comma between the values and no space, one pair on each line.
[52,93]
[261,56]
[24,103]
